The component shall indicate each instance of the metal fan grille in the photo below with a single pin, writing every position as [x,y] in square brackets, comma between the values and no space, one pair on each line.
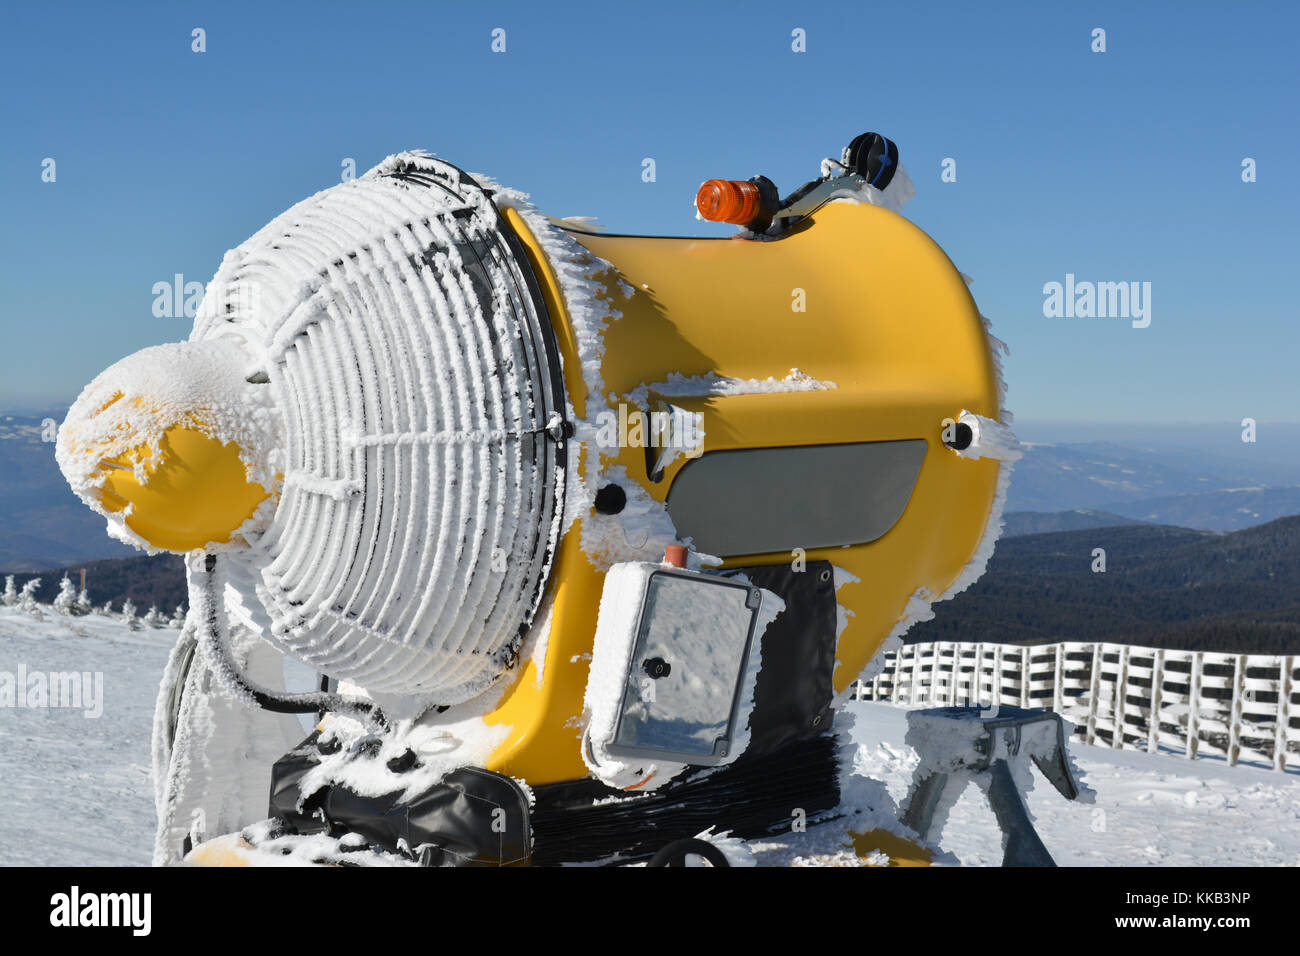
[414,366]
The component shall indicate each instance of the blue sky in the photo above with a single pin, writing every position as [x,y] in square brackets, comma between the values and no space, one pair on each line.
[1115,166]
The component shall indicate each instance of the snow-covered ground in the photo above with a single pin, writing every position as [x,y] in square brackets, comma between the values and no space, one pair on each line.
[75,789]
[1151,809]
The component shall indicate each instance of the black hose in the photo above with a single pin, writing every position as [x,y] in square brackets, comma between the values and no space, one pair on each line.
[277,703]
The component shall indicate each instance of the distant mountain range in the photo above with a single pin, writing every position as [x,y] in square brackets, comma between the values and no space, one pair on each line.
[1162,587]
[1148,485]
[42,523]
[1211,511]
[1015,523]
[1216,510]
[1214,451]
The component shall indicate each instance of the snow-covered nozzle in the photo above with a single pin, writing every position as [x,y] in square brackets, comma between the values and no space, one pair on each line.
[175,447]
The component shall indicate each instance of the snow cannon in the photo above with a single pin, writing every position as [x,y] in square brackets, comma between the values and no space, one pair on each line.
[558,545]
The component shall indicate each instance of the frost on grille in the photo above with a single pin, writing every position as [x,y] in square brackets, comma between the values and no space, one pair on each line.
[406,350]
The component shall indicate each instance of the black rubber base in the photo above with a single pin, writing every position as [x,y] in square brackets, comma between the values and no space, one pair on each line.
[756,796]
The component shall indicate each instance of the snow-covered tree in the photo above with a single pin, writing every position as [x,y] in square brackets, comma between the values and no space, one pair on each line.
[178,617]
[153,619]
[27,596]
[128,615]
[65,602]
[11,592]
[83,602]
[106,610]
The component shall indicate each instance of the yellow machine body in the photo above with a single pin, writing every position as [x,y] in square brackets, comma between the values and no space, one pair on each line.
[885,316]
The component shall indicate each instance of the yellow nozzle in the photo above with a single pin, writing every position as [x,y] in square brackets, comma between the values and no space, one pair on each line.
[195,491]
[175,445]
